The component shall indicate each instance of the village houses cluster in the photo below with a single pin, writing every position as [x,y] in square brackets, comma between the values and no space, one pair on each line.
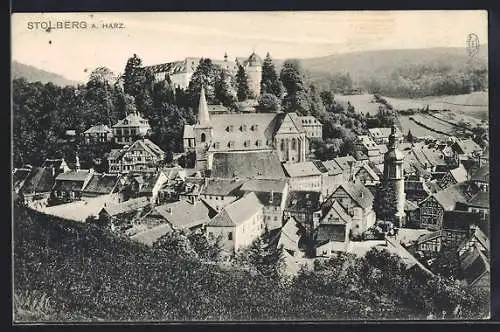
[254,172]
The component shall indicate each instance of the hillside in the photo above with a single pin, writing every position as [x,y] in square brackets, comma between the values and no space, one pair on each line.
[366,65]
[33,74]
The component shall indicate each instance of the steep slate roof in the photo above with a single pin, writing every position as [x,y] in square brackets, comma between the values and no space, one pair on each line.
[289,236]
[132,120]
[148,146]
[188,131]
[98,129]
[263,164]
[358,192]
[151,235]
[370,171]
[127,206]
[237,212]
[296,121]
[481,174]
[341,212]
[259,126]
[303,200]
[102,183]
[309,120]
[459,174]
[467,146]
[75,175]
[481,199]
[222,187]
[170,68]
[306,168]
[460,220]
[449,197]
[474,265]
[184,215]
[333,167]
[39,180]
[343,162]
[265,185]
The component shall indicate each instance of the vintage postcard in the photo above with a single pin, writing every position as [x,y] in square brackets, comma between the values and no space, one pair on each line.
[250,166]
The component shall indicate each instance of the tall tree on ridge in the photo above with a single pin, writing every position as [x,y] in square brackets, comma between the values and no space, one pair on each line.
[270,82]
[243,90]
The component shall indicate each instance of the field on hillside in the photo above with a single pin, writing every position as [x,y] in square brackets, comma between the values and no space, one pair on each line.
[362,103]
[417,130]
[473,105]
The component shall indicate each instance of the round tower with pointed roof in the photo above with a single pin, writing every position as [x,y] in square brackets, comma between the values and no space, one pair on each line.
[254,72]
[393,173]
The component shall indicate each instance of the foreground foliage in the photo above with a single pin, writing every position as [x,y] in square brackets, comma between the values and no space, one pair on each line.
[89,274]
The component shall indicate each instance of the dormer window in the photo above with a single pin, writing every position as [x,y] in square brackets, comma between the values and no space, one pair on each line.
[125,122]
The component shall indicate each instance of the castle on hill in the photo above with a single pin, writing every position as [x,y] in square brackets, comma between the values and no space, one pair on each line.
[180,72]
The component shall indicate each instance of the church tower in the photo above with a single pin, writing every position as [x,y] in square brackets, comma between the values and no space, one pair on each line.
[393,173]
[202,133]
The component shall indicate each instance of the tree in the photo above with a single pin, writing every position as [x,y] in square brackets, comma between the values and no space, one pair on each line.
[242,90]
[410,137]
[175,244]
[385,201]
[133,76]
[297,98]
[223,90]
[207,248]
[269,82]
[269,103]
[204,76]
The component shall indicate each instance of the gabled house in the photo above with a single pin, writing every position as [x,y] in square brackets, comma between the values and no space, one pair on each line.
[366,175]
[98,134]
[332,234]
[476,268]
[465,149]
[38,185]
[289,238]
[480,204]
[273,195]
[481,178]
[218,193]
[357,201]
[312,126]
[334,176]
[453,176]
[238,224]
[432,208]
[183,215]
[130,129]
[113,211]
[102,184]
[69,186]
[142,155]
[304,176]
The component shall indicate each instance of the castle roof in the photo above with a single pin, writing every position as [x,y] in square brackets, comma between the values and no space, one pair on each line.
[254,60]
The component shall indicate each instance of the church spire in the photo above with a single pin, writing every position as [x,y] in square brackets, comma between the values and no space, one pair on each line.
[392,138]
[203,116]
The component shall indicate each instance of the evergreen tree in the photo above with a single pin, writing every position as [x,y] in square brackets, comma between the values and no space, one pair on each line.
[385,201]
[223,90]
[297,98]
[269,103]
[410,137]
[205,76]
[133,76]
[269,82]
[243,90]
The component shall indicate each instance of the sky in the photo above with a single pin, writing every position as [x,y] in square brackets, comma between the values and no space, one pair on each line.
[164,37]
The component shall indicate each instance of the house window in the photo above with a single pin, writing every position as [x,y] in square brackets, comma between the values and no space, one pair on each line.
[258,143]
[282,145]
[230,236]
[217,145]
[203,137]
[244,127]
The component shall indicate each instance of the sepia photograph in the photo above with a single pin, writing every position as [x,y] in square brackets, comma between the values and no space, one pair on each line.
[250,166]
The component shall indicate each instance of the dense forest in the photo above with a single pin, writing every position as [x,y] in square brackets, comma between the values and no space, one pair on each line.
[79,272]
[42,113]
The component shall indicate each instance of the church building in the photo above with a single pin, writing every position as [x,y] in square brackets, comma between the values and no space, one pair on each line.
[280,133]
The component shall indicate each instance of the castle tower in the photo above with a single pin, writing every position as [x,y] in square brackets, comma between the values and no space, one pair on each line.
[393,173]
[202,133]
[254,73]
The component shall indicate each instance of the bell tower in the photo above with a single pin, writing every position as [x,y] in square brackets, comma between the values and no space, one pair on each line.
[393,174]
[203,132]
